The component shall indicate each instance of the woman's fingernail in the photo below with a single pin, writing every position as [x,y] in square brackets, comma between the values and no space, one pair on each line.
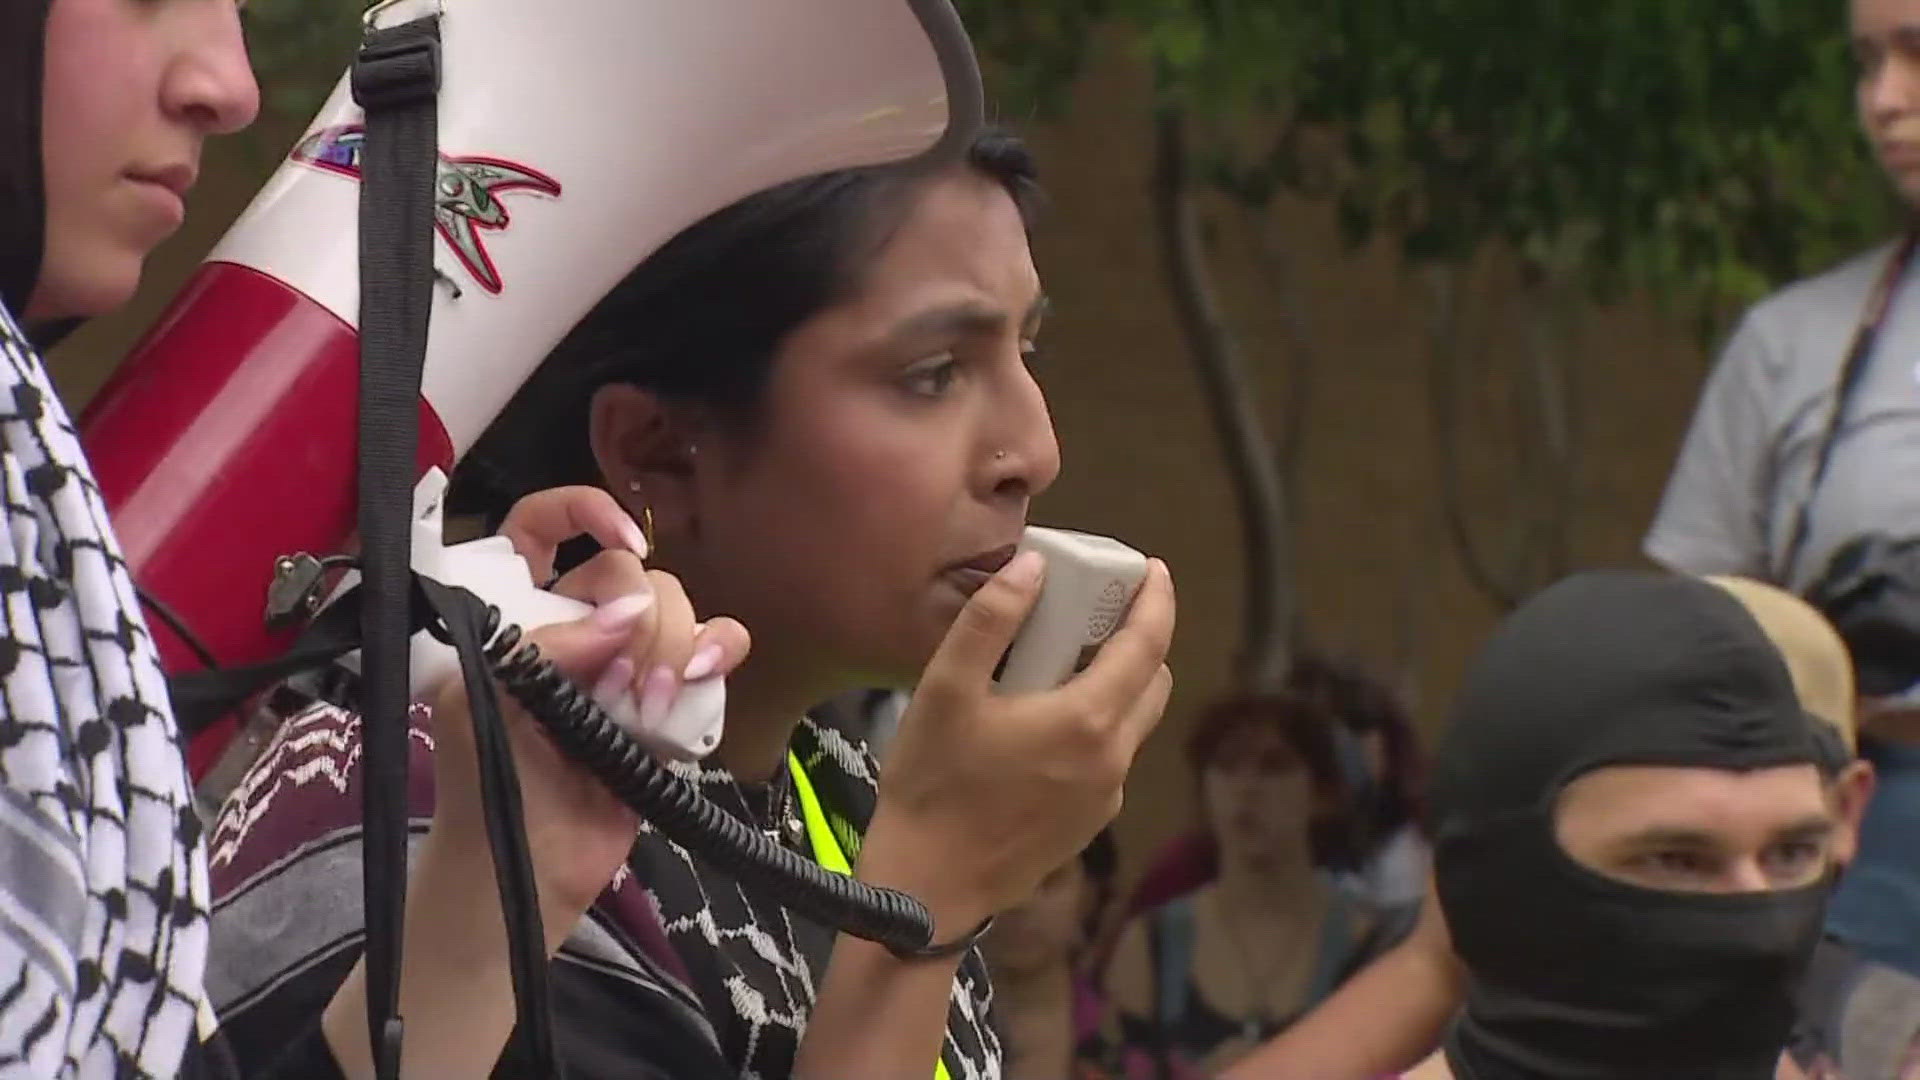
[1025,569]
[615,683]
[657,695]
[633,538]
[621,614]
[706,660]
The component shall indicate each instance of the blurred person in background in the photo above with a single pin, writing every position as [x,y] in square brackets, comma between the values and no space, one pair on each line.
[1382,770]
[1203,978]
[1380,755]
[1046,1005]
[1802,468]
[1856,1019]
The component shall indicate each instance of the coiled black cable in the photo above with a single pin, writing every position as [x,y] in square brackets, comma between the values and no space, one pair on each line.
[678,811]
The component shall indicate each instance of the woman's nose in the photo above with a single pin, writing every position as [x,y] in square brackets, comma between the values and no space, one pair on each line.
[1027,453]
[210,84]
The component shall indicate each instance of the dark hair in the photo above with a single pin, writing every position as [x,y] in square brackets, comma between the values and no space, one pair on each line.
[23,206]
[702,319]
[1367,705]
[1308,728]
[1305,726]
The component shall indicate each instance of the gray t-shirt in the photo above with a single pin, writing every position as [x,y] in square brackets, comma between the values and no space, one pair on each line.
[1748,459]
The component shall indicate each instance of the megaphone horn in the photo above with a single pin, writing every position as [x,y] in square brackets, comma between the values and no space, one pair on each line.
[577,136]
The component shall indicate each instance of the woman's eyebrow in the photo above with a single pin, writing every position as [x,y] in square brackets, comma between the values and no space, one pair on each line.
[948,320]
[965,318]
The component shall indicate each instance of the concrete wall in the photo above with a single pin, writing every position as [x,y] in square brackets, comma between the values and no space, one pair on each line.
[1377,574]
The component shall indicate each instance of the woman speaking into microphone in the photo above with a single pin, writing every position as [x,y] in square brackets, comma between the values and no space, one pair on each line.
[824,398]
[104,931]
[104,107]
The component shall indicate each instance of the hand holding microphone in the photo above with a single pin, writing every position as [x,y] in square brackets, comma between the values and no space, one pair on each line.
[985,792]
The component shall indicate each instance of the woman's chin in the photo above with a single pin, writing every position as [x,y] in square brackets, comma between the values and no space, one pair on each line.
[72,291]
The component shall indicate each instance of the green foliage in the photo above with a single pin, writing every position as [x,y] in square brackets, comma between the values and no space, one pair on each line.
[1704,150]
[300,48]
[1032,51]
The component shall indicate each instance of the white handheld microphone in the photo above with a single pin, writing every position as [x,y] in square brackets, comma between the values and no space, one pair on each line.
[1089,585]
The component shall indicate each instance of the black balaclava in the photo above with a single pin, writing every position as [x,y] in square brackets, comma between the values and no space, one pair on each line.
[23,34]
[1573,975]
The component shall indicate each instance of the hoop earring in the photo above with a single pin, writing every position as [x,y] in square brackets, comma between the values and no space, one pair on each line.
[646,515]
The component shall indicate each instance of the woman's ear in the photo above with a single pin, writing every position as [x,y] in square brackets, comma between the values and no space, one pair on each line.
[644,453]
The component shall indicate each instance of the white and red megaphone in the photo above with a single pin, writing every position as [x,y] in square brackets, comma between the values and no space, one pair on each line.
[576,137]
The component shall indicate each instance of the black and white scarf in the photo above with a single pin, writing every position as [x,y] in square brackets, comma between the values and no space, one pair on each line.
[758,966]
[103,903]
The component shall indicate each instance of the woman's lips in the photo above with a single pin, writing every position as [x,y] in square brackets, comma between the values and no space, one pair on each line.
[969,575]
[966,579]
[165,202]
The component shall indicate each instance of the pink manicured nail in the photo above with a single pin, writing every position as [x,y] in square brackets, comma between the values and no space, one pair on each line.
[706,660]
[657,695]
[615,683]
[633,538]
[621,614]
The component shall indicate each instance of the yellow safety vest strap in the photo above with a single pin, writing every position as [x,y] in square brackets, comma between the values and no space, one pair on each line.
[826,848]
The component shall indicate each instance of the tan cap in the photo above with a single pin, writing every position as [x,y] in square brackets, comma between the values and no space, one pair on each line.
[1816,657]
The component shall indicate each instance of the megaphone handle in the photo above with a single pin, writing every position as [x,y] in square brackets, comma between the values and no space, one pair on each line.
[492,570]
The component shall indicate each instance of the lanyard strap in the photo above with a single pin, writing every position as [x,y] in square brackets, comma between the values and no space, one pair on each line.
[1873,317]
[826,847]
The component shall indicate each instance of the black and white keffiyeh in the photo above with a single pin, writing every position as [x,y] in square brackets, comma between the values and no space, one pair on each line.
[757,965]
[103,901]
[676,971]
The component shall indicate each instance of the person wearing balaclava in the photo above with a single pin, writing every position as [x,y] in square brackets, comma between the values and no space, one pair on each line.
[1856,1017]
[104,108]
[1632,840]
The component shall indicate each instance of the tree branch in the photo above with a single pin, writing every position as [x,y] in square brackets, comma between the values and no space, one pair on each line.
[1444,335]
[1300,365]
[1268,617]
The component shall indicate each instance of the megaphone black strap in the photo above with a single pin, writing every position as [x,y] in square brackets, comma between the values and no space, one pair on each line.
[396,82]
[202,697]
[463,621]
[396,300]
